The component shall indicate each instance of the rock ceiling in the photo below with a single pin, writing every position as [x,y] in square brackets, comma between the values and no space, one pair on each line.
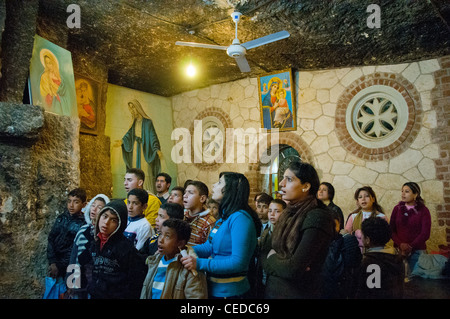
[135,39]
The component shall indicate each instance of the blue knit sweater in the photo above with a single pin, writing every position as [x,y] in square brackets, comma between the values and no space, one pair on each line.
[226,256]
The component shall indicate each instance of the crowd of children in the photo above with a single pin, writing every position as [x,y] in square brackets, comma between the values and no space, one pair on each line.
[190,244]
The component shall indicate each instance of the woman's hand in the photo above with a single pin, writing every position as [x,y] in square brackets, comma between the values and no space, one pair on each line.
[189,262]
[405,249]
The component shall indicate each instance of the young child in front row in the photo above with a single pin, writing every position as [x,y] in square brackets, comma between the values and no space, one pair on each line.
[166,211]
[167,278]
[382,270]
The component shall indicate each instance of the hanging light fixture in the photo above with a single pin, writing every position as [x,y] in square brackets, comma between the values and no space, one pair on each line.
[191,70]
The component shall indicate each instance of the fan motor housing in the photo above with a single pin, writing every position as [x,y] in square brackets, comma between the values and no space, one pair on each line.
[236,51]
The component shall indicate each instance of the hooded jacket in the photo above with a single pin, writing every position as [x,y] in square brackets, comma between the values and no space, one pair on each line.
[87,210]
[86,232]
[118,271]
[81,243]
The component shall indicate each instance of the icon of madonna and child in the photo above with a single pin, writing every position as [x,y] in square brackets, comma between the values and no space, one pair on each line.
[276,98]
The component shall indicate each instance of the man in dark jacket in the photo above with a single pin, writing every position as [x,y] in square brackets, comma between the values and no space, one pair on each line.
[62,234]
[118,271]
[382,270]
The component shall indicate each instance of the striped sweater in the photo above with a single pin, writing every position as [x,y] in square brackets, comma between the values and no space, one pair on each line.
[201,225]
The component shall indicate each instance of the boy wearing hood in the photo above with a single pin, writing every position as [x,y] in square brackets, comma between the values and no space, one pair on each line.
[118,271]
[382,270]
[82,242]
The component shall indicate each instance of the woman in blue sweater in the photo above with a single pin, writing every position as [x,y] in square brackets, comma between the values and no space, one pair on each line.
[229,250]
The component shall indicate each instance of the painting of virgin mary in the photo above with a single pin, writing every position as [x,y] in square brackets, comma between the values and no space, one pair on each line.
[140,144]
[52,79]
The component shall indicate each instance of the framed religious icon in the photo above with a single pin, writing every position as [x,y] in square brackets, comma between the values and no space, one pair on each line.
[52,83]
[88,101]
[276,97]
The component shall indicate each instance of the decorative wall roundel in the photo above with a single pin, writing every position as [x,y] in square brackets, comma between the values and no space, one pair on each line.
[212,140]
[378,116]
[208,141]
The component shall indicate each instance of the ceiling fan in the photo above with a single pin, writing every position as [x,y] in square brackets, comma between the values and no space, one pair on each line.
[237,50]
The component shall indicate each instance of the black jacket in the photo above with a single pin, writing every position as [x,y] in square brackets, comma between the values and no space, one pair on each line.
[60,239]
[118,270]
[299,276]
[381,276]
[340,268]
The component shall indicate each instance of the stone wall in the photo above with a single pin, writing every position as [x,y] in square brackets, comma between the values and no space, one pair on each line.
[440,134]
[420,154]
[39,157]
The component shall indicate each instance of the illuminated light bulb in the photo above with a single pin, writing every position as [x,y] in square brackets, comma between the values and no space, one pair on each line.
[190,70]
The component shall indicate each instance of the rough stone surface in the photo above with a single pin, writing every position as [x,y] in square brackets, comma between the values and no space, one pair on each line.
[19,123]
[34,183]
[16,47]
[95,165]
[136,39]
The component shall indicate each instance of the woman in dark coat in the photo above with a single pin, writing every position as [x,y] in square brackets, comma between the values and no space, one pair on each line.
[301,239]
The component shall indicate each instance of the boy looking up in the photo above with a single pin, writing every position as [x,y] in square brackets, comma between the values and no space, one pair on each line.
[213,207]
[82,241]
[138,228]
[166,211]
[201,220]
[165,270]
[262,209]
[276,207]
[63,232]
[176,195]
[118,271]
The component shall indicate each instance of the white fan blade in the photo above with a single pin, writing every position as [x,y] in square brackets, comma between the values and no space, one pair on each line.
[243,64]
[266,39]
[201,45]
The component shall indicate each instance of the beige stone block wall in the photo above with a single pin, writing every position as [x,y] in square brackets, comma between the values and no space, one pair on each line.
[318,94]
